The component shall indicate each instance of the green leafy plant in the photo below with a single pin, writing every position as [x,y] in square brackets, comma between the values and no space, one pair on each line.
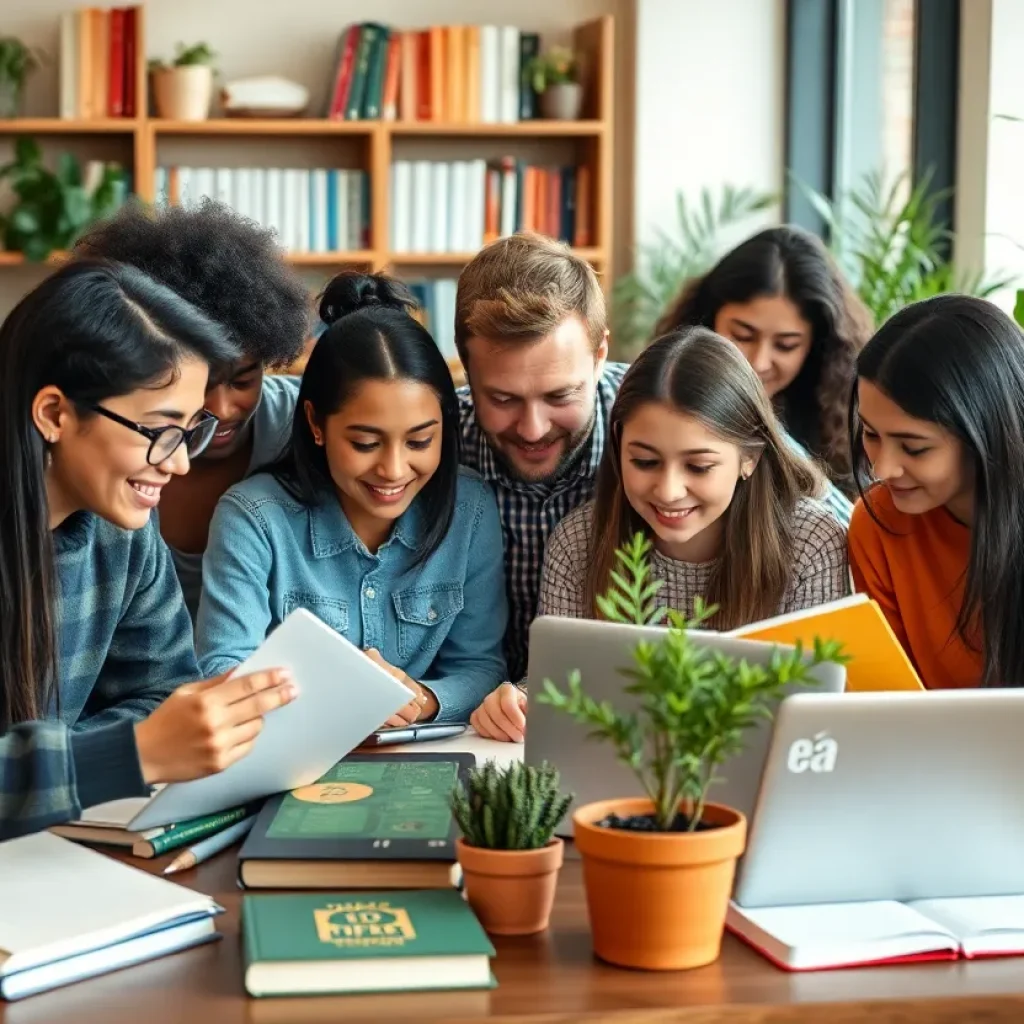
[694,704]
[1018,307]
[553,67]
[17,62]
[513,808]
[663,266]
[891,243]
[185,56]
[52,208]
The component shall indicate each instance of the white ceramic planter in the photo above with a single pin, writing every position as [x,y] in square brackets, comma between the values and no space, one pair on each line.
[183,93]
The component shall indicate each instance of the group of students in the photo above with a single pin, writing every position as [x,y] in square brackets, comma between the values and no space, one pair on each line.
[166,499]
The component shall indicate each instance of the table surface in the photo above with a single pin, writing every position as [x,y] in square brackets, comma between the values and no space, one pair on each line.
[552,977]
[548,978]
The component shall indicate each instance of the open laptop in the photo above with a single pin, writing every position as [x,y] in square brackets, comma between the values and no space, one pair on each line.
[889,796]
[599,650]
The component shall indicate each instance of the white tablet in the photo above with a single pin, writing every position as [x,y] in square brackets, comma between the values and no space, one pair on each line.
[343,697]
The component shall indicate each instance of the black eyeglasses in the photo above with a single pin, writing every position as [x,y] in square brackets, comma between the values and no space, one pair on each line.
[165,441]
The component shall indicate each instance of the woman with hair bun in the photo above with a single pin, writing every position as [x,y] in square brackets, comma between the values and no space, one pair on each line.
[368,521]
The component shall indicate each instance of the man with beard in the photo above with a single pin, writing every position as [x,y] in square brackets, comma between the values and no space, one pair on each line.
[530,326]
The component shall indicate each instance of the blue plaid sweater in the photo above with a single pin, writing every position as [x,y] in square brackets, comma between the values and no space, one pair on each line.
[124,643]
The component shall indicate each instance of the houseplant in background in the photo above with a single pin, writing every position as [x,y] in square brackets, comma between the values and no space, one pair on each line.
[17,62]
[555,77]
[508,853]
[52,208]
[658,872]
[183,89]
[890,241]
[673,257]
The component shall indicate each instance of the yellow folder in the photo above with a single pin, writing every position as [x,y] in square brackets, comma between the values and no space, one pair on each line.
[878,662]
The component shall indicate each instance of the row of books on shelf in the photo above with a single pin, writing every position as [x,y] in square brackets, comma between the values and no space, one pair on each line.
[435,298]
[450,73]
[98,58]
[312,210]
[458,206]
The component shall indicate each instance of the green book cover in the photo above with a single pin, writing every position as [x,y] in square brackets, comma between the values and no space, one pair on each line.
[374,93]
[368,33]
[197,828]
[344,935]
[368,806]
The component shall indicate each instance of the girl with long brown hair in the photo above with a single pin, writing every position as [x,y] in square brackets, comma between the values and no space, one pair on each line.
[697,461]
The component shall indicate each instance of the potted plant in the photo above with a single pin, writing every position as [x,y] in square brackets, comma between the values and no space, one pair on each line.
[658,872]
[555,77]
[52,208]
[17,61]
[183,90]
[508,853]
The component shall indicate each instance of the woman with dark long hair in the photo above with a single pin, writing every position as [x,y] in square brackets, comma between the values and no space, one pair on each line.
[368,521]
[781,299]
[696,461]
[937,539]
[102,377]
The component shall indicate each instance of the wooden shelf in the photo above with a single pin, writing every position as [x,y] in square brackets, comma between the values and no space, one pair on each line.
[17,259]
[553,129]
[457,259]
[60,126]
[261,126]
[373,148]
[331,259]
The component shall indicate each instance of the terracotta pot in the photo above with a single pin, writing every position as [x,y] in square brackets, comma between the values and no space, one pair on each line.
[658,901]
[511,891]
[183,93]
[562,101]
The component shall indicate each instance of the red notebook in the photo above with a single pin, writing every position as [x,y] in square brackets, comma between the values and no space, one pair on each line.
[835,935]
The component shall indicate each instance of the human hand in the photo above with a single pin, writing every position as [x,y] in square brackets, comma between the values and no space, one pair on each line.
[204,727]
[421,708]
[501,715]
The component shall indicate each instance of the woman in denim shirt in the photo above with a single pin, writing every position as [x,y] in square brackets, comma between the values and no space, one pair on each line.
[368,521]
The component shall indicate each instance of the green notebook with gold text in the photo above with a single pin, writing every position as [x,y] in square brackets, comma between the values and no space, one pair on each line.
[346,942]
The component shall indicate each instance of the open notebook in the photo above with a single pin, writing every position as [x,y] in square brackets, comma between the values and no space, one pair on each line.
[878,661]
[832,935]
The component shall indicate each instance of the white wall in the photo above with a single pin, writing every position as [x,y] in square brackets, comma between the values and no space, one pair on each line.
[990,197]
[710,104]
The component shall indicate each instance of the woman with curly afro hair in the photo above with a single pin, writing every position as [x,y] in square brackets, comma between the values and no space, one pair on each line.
[233,270]
[780,298]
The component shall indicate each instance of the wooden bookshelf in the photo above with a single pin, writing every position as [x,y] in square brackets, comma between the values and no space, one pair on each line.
[377,142]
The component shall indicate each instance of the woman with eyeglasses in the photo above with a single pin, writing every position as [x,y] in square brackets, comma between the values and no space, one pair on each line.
[102,378]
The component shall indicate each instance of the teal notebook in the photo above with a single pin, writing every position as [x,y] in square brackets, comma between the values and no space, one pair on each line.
[333,943]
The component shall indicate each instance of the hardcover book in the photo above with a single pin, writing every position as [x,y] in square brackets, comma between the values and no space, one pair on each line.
[373,820]
[311,944]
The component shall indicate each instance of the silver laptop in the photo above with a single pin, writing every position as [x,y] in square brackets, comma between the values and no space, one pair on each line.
[598,650]
[874,796]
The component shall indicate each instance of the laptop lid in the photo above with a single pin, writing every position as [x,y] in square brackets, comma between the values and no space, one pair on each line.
[599,649]
[889,796]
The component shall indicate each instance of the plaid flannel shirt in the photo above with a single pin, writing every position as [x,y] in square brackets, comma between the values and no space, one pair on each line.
[530,511]
[124,643]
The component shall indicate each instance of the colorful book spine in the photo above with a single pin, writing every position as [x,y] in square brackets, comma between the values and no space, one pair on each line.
[188,831]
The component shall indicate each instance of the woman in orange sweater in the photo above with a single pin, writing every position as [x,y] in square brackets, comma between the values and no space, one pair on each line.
[937,425]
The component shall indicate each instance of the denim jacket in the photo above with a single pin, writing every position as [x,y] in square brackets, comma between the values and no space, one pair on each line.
[441,622]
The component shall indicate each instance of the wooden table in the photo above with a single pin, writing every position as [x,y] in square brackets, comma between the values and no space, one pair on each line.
[552,977]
